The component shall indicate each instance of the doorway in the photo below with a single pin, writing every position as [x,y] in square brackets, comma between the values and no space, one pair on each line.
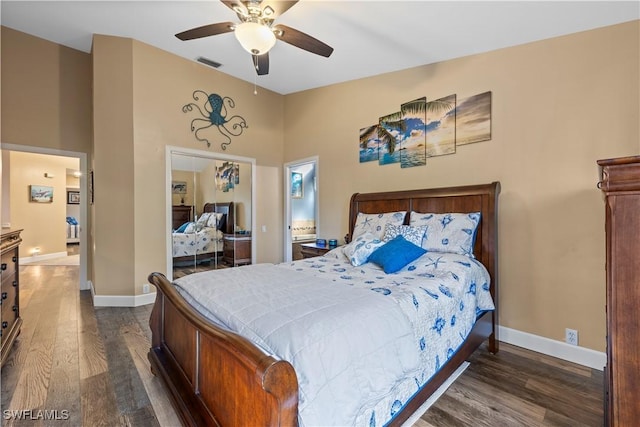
[302,207]
[40,243]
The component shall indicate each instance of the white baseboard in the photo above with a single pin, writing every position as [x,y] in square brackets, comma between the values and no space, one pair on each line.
[576,354]
[34,258]
[121,300]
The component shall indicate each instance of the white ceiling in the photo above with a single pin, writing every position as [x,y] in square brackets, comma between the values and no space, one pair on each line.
[369,37]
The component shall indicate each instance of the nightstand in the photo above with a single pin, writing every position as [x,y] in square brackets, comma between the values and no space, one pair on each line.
[236,249]
[309,250]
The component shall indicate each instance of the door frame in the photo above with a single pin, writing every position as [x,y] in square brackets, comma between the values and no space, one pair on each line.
[288,241]
[84,229]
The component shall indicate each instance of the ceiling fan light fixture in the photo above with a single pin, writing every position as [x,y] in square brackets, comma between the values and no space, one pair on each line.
[255,38]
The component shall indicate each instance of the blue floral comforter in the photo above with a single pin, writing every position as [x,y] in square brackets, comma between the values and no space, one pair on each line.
[362,341]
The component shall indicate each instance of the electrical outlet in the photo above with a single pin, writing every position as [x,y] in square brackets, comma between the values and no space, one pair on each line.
[145,288]
[571,336]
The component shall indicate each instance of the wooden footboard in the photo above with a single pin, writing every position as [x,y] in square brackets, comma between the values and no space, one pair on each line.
[214,376]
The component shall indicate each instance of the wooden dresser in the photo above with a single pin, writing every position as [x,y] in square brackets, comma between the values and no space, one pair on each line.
[236,249]
[11,320]
[180,214]
[621,185]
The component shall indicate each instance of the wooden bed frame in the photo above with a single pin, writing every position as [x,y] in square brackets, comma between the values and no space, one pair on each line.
[223,208]
[216,377]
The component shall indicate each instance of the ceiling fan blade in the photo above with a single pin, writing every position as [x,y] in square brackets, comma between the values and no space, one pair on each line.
[261,63]
[302,40]
[206,31]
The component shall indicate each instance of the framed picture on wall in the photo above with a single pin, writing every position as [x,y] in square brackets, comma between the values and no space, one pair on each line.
[40,194]
[296,185]
[179,187]
[73,197]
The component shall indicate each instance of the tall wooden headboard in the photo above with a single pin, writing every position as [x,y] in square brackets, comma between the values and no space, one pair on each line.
[481,198]
[226,208]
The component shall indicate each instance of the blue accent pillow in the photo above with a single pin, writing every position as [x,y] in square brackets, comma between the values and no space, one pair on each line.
[182,227]
[395,254]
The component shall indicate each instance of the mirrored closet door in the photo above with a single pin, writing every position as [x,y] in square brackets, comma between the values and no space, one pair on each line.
[211,211]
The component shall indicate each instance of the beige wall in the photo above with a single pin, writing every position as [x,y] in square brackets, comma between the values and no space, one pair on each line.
[44,224]
[46,94]
[558,106]
[113,165]
[161,84]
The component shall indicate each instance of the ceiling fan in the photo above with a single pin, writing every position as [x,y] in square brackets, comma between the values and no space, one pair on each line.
[256,32]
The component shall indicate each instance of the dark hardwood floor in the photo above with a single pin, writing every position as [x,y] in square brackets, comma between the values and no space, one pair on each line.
[91,363]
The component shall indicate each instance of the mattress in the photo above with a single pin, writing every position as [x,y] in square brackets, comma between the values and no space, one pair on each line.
[362,342]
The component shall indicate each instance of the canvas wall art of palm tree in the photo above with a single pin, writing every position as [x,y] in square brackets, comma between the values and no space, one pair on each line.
[390,131]
[423,129]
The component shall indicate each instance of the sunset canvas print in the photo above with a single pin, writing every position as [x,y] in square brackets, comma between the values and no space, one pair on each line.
[423,129]
[441,126]
[474,119]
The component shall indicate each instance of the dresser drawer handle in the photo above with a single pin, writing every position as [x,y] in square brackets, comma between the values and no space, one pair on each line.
[15,283]
[14,259]
[14,308]
[5,324]
[4,295]
[4,266]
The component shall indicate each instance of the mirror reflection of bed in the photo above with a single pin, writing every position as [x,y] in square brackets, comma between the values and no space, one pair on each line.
[210,204]
[198,245]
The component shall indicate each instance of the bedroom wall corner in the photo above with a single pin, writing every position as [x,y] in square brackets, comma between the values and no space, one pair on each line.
[113,166]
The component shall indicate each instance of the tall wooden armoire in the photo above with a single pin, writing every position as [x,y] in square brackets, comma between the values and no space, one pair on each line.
[621,185]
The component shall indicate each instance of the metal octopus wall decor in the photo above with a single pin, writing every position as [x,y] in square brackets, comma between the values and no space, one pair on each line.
[213,109]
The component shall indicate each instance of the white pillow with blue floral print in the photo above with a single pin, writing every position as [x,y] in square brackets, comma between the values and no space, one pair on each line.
[376,223]
[203,219]
[214,219]
[359,250]
[410,233]
[450,232]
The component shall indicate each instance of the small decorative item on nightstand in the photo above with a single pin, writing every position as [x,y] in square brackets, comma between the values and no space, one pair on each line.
[333,243]
[321,243]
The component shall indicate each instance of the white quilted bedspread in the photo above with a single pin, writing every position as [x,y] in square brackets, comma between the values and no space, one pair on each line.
[362,342]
